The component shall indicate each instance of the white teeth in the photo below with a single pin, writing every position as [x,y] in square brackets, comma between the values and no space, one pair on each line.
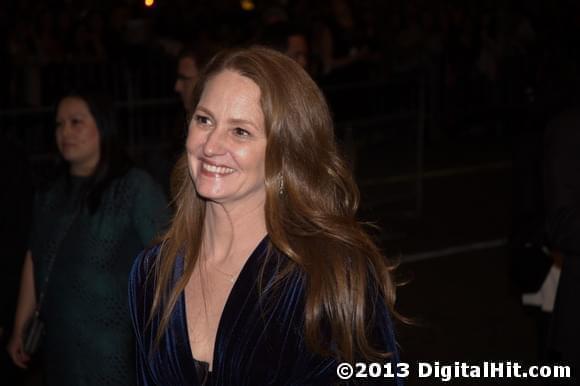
[217,169]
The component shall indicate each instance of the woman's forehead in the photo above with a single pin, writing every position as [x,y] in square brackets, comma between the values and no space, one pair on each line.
[72,104]
[232,95]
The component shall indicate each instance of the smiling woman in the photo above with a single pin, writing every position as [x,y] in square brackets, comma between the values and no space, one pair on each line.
[226,145]
[265,275]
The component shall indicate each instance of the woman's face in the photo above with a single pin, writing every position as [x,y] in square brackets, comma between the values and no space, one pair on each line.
[77,136]
[226,142]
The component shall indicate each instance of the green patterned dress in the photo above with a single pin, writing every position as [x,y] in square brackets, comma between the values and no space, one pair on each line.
[88,329]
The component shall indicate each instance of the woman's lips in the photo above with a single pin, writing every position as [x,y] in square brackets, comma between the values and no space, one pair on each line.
[215,170]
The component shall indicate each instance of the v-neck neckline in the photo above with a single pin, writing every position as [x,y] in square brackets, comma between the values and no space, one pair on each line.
[237,288]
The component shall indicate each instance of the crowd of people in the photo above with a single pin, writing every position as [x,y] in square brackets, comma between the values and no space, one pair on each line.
[491,54]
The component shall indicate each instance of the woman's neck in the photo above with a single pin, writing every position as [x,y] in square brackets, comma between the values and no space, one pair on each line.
[82,170]
[229,233]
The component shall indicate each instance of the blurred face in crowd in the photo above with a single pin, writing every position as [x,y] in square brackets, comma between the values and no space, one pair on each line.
[187,73]
[77,136]
[298,49]
[226,143]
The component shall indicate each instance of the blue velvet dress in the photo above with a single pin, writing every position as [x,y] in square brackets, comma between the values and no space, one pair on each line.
[260,337]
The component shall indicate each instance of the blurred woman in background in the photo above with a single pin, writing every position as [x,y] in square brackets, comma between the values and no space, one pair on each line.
[88,227]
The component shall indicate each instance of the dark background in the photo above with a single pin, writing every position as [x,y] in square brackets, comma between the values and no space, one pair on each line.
[441,116]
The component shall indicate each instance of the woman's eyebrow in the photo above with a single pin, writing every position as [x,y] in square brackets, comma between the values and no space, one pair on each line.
[243,122]
[234,121]
[204,110]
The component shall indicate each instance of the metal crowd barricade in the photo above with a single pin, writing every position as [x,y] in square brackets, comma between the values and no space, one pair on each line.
[151,115]
[387,110]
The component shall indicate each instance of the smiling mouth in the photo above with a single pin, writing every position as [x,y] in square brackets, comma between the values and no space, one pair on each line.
[216,169]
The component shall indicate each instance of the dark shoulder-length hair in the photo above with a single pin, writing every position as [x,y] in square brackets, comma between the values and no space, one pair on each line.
[113,159]
[313,221]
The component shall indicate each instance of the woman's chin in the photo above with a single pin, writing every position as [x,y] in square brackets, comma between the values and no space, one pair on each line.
[212,195]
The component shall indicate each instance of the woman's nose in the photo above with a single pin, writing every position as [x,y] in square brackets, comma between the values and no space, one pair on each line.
[215,143]
[64,129]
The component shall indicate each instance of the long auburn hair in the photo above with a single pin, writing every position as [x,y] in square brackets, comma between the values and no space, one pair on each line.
[313,222]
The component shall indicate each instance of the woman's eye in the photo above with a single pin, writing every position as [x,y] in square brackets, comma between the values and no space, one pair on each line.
[241,132]
[202,120]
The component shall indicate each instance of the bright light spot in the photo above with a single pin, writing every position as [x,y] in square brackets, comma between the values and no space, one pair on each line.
[247,5]
[149,3]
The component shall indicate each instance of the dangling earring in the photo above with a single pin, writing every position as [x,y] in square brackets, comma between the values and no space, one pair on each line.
[280,184]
